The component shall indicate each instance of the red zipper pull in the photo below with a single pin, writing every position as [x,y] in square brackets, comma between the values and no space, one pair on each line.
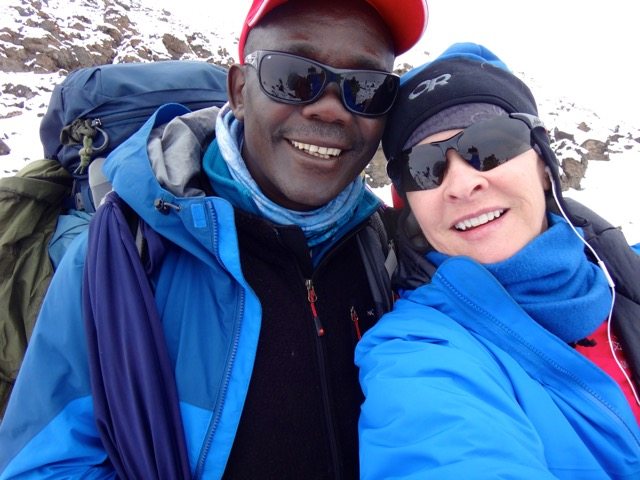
[312,298]
[356,322]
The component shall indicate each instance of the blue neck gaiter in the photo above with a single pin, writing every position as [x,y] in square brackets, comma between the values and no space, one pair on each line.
[552,279]
[232,180]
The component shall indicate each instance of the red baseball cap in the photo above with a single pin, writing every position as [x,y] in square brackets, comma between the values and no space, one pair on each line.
[406,19]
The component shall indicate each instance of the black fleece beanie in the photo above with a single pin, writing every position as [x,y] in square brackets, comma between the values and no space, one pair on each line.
[466,73]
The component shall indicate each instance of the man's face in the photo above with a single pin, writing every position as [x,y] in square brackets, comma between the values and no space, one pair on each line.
[303,156]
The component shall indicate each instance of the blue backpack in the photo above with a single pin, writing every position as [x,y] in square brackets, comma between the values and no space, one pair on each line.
[96,108]
[45,205]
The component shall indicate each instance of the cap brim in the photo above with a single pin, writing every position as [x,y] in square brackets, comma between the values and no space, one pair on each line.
[407,20]
[256,13]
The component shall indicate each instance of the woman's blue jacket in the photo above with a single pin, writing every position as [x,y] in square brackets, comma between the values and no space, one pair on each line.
[461,383]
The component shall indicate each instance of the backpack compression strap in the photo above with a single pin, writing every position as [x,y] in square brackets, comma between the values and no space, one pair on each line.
[83,131]
[132,380]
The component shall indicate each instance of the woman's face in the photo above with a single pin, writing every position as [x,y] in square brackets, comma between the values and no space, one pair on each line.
[488,216]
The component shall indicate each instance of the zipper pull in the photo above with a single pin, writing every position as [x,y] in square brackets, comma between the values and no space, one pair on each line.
[312,298]
[356,322]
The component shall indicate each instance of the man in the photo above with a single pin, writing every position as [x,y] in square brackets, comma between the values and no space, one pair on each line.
[261,290]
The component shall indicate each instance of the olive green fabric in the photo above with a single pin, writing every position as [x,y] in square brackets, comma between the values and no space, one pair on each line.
[30,203]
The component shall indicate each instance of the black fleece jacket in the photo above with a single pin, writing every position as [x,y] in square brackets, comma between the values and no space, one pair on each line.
[301,413]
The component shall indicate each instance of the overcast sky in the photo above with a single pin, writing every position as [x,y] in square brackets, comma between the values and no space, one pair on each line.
[586,50]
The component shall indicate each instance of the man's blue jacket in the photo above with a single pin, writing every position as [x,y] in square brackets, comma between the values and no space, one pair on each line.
[50,419]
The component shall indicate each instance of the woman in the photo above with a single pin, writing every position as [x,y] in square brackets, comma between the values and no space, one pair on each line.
[498,360]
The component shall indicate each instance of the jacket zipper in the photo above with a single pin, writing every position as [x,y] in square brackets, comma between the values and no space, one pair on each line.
[324,382]
[213,425]
[356,322]
[137,115]
[221,397]
[334,448]
[312,298]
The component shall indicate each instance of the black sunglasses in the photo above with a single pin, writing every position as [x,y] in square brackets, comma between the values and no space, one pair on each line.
[292,79]
[484,145]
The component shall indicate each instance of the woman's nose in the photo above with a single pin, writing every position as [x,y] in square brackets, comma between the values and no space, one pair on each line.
[461,179]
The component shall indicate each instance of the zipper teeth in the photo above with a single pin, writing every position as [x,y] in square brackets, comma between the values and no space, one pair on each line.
[333,443]
[130,117]
[135,115]
[324,384]
[312,298]
[333,447]
[356,322]
[213,425]
[223,392]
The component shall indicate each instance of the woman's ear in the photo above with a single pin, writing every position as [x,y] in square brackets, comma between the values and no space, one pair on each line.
[236,80]
[548,179]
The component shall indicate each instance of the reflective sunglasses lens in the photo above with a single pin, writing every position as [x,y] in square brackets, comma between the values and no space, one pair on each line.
[369,93]
[425,166]
[484,145]
[290,79]
[487,145]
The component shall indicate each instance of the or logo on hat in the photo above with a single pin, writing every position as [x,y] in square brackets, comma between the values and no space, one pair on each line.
[429,85]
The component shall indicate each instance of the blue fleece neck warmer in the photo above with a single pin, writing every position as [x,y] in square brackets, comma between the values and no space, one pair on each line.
[231,180]
[554,282]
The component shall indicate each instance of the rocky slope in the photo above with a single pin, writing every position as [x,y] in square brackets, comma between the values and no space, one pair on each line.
[48,36]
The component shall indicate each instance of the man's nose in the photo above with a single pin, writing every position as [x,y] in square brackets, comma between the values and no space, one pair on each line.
[329,107]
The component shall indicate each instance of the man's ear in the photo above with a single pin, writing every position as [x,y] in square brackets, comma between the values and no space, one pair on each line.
[235,87]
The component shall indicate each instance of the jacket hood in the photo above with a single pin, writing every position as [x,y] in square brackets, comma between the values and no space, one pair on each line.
[157,172]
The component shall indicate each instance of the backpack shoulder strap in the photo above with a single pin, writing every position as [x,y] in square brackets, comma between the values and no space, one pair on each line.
[623,265]
[378,254]
[140,424]
[611,245]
